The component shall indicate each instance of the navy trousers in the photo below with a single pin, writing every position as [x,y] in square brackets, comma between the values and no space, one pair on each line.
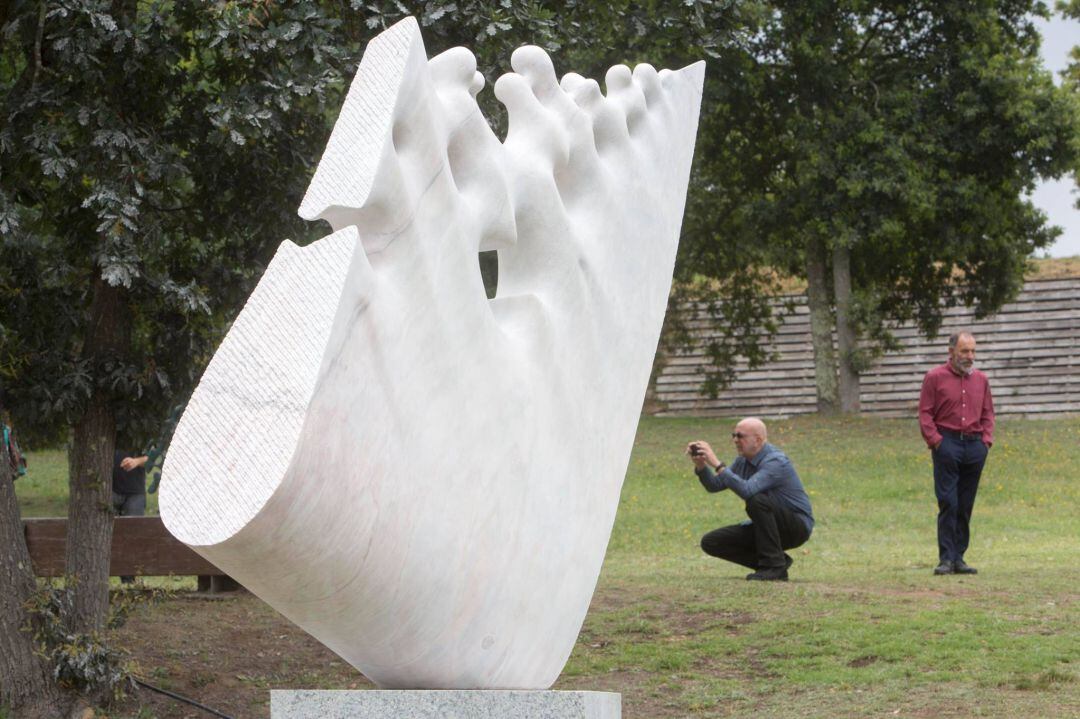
[958,464]
[760,543]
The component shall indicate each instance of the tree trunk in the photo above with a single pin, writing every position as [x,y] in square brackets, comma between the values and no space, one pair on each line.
[846,341]
[90,515]
[26,685]
[821,327]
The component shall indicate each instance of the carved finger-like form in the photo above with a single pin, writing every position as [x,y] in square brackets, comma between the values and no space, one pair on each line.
[423,479]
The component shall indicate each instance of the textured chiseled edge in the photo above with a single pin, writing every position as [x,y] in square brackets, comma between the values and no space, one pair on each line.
[437,704]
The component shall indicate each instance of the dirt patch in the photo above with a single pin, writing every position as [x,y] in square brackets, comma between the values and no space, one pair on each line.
[690,624]
[226,653]
[859,595]
[229,652]
[676,618]
[746,666]
[641,695]
[863,661]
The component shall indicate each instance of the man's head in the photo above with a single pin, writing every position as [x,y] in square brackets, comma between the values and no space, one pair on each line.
[749,437]
[962,352]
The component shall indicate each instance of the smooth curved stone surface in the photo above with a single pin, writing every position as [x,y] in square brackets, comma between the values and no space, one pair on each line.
[446,704]
[421,478]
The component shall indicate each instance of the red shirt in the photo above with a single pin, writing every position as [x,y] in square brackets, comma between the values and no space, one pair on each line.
[955,401]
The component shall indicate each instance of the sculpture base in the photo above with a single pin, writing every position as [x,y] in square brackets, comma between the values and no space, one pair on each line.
[443,704]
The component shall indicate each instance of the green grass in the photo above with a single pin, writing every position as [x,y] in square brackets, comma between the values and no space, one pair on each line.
[863,628]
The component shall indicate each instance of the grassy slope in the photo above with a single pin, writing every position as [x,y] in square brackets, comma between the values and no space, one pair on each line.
[863,628]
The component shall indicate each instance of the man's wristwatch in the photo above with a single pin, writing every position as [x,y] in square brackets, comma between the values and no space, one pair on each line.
[720,468]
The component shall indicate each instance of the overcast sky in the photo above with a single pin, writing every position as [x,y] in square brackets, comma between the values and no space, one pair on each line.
[1057,199]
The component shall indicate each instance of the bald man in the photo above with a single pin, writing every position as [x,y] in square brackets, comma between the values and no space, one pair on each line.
[779,510]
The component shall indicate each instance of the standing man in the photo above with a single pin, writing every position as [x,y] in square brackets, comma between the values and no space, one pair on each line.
[129,488]
[779,510]
[956,416]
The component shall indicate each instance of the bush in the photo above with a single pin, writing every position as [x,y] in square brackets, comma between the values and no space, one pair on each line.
[83,663]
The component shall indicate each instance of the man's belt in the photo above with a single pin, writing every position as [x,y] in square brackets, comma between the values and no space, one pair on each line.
[959,435]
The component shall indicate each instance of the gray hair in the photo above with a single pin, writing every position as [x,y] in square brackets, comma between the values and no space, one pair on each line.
[955,337]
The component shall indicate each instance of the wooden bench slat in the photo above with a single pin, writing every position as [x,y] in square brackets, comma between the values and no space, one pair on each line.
[140,546]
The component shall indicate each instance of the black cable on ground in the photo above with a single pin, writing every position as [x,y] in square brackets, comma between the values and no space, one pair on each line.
[184,699]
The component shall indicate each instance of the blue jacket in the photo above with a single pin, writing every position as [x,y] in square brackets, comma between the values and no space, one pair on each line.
[769,471]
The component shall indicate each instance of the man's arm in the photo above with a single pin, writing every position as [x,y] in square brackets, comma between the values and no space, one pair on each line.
[704,459]
[987,419]
[700,449]
[926,413]
[129,463]
[709,479]
[771,472]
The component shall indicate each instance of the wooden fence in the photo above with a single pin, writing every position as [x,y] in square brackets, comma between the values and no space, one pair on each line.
[1028,349]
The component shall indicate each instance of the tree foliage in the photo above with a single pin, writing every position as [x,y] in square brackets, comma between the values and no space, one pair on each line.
[152,155]
[1071,75]
[161,147]
[903,135]
[1071,9]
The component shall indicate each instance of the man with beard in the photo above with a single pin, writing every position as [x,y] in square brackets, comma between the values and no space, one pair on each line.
[956,416]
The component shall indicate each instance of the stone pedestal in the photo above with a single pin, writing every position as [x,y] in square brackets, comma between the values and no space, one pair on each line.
[444,704]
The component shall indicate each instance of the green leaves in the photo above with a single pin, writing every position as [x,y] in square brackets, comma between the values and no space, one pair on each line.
[164,151]
[905,131]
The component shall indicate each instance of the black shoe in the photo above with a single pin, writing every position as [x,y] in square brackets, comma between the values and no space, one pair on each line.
[770,574]
[962,567]
[945,567]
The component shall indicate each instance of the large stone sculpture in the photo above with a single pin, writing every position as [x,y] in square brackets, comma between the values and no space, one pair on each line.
[420,477]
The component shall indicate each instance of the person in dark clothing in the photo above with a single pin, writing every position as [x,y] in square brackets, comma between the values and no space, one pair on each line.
[776,502]
[129,484]
[129,488]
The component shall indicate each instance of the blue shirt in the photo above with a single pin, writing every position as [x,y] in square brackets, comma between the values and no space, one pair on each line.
[770,471]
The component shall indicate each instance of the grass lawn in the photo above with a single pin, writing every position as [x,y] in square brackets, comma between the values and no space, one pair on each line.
[862,629]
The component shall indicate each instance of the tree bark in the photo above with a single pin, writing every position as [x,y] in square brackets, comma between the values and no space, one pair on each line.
[90,515]
[26,685]
[821,327]
[846,340]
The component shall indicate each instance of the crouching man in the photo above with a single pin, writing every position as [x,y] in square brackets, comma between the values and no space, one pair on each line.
[779,510]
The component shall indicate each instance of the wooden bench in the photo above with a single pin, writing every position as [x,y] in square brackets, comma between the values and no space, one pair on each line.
[140,546]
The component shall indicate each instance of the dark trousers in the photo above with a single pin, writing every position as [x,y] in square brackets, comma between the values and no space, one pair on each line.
[129,505]
[958,464]
[760,544]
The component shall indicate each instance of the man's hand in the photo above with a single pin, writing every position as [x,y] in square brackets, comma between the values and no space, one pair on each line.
[701,453]
[129,463]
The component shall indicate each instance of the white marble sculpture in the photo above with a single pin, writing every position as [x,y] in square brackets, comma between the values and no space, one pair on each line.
[420,477]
